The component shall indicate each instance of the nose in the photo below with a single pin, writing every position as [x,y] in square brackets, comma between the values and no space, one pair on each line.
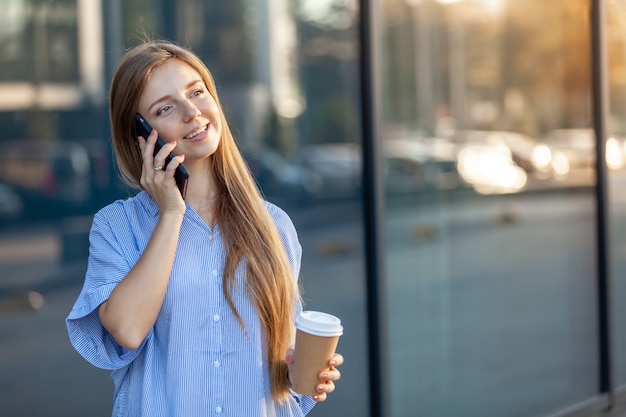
[190,111]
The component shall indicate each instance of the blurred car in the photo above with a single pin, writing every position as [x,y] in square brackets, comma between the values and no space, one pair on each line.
[571,150]
[414,165]
[330,170]
[616,152]
[275,174]
[100,161]
[491,169]
[11,205]
[574,150]
[57,174]
[526,152]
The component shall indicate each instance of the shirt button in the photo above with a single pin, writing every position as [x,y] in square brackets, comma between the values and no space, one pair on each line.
[218,409]
[210,237]
[216,317]
[216,364]
[215,272]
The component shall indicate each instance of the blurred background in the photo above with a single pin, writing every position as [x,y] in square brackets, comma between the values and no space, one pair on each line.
[492,246]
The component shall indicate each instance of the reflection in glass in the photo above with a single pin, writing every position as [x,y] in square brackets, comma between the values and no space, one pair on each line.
[287,73]
[490,230]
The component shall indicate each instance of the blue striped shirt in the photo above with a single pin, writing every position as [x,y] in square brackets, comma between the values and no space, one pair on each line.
[197,360]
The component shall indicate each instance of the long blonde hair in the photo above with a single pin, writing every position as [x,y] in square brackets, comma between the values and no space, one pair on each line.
[249,231]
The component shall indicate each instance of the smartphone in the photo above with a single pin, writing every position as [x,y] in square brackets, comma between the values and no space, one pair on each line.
[181,175]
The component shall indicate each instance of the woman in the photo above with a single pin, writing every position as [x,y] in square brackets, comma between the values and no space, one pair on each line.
[191,302]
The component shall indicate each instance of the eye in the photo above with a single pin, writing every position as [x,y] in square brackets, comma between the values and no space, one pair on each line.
[197,92]
[163,109]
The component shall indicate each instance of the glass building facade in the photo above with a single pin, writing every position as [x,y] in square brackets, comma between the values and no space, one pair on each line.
[455,170]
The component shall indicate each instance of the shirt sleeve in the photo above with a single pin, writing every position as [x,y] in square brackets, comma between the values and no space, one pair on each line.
[305,402]
[107,266]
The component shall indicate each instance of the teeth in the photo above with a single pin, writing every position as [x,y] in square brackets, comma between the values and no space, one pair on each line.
[195,132]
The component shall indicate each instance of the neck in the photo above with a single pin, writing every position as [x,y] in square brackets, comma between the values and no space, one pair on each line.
[202,194]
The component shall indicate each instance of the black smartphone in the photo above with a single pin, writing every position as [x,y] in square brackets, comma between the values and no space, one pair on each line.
[181,175]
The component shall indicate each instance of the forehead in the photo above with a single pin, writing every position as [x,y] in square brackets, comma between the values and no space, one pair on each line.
[171,76]
[174,66]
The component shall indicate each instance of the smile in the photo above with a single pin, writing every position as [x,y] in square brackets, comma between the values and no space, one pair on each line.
[197,132]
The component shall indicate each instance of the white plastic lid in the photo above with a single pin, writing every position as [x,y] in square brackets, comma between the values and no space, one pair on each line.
[319,324]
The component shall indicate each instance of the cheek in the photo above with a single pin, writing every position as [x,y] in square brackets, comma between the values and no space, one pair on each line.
[215,117]
[166,133]
[219,128]
[212,108]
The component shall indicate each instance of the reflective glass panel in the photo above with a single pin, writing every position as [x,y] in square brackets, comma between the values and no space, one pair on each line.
[490,221]
[287,77]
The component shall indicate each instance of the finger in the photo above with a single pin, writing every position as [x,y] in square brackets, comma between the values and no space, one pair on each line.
[166,149]
[141,142]
[174,163]
[289,356]
[326,388]
[149,143]
[336,360]
[332,375]
[147,151]
[320,397]
[161,158]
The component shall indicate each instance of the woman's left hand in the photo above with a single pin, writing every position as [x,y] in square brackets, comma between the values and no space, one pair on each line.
[327,377]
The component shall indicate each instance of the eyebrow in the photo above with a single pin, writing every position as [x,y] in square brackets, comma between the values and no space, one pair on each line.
[168,97]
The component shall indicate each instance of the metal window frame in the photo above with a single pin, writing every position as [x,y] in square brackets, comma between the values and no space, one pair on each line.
[373,207]
[599,82]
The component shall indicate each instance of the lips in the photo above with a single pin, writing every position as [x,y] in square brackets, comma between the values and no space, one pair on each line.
[196,132]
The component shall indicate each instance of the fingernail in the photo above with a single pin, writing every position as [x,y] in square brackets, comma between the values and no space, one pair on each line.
[333,363]
[324,375]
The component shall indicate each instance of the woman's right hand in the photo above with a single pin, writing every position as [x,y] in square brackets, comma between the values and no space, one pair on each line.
[160,184]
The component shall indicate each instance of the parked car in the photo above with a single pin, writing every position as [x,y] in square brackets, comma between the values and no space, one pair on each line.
[275,174]
[574,150]
[330,170]
[527,152]
[415,165]
[491,169]
[56,174]
[11,205]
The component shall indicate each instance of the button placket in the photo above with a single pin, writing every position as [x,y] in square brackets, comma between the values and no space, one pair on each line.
[217,364]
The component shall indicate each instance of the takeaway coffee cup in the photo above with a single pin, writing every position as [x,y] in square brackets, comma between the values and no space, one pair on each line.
[317,335]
